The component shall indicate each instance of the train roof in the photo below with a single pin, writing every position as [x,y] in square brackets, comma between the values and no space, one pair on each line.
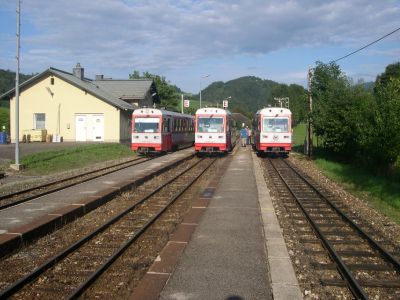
[213,110]
[158,112]
[274,111]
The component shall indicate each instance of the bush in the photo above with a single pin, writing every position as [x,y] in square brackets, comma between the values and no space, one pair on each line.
[5,119]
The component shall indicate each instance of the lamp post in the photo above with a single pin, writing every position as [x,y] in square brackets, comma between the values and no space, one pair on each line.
[205,76]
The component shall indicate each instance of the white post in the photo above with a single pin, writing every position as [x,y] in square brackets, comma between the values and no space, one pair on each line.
[182,103]
[310,128]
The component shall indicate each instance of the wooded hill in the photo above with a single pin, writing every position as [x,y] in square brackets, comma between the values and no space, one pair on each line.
[249,94]
[7,82]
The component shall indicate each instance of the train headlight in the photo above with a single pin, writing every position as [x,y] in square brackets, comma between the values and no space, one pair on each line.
[221,137]
[286,137]
[265,136]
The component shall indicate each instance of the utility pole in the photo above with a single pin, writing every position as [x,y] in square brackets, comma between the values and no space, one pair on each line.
[310,129]
[17,165]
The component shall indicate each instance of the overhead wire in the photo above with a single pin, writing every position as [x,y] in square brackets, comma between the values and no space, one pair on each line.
[343,57]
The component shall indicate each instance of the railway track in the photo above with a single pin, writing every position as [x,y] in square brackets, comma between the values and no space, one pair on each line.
[21,196]
[356,259]
[68,274]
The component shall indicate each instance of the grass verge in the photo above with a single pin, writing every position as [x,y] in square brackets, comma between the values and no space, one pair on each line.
[383,193]
[50,162]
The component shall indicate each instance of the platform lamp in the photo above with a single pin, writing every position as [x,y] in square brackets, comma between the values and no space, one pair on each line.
[205,76]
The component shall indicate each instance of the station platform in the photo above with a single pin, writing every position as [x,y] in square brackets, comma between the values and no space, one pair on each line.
[30,220]
[230,245]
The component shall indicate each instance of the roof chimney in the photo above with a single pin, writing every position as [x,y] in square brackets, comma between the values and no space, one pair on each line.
[78,71]
[99,77]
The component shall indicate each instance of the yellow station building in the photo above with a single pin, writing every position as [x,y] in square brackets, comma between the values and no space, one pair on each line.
[70,107]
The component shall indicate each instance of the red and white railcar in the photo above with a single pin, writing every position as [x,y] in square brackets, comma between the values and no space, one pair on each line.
[158,130]
[215,130]
[272,130]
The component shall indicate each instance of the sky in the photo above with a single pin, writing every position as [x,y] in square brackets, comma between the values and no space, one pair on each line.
[185,40]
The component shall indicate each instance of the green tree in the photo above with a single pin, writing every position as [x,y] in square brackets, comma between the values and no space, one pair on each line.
[391,71]
[329,88]
[384,141]
[340,111]
[4,119]
[167,92]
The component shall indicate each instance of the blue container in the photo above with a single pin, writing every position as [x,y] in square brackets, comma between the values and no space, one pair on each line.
[3,138]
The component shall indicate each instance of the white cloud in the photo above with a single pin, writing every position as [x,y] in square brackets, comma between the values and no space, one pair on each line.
[120,36]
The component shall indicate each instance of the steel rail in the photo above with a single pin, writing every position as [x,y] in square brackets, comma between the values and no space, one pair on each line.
[354,286]
[390,258]
[9,196]
[18,285]
[82,288]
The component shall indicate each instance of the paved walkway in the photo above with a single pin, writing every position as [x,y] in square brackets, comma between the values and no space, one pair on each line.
[226,256]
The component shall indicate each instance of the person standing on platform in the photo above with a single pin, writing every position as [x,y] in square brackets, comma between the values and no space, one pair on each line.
[248,135]
[243,135]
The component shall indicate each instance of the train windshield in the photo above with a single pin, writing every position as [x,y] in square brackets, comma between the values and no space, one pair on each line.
[213,124]
[146,125]
[275,124]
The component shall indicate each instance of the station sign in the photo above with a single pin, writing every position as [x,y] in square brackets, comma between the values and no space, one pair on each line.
[225,103]
[186,103]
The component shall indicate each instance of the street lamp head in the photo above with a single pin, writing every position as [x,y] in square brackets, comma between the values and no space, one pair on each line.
[205,76]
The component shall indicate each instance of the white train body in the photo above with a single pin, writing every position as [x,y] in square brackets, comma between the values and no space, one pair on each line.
[215,130]
[158,130]
[273,130]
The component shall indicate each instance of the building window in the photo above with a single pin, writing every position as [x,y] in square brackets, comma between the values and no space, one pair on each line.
[39,121]
[52,81]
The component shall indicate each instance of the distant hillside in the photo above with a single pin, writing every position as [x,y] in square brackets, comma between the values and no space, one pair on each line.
[7,82]
[368,86]
[250,94]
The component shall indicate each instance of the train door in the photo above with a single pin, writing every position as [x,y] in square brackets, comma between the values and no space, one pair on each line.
[166,134]
[257,132]
[228,133]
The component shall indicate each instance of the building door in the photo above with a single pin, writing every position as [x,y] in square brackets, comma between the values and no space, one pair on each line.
[80,128]
[97,127]
[89,127]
